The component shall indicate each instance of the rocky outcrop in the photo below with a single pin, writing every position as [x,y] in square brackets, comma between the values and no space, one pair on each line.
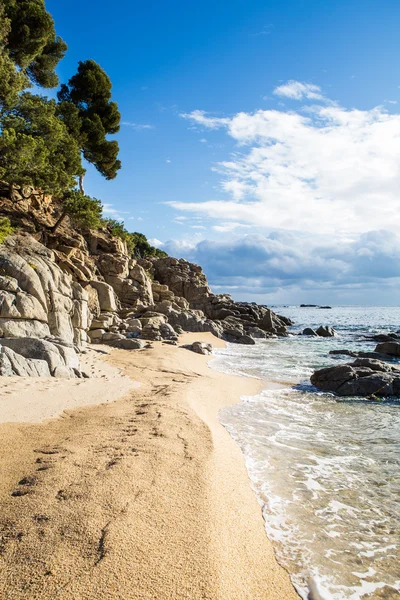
[236,321]
[40,307]
[364,377]
[60,291]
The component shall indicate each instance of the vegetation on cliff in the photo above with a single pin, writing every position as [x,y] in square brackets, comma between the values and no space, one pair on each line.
[43,141]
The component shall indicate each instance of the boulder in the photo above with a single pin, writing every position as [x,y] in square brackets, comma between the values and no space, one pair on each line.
[105,320]
[23,328]
[325,331]
[13,364]
[385,337]
[53,354]
[112,337]
[106,296]
[133,325]
[363,377]
[310,332]
[390,348]
[361,354]
[96,334]
[245,339]
[130,344]
[201,348]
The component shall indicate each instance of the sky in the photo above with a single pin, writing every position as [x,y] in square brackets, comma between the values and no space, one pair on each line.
[259,139]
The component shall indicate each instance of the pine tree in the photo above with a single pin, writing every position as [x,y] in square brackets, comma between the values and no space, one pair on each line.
[32,42]
[89,91]
[36,147]
[84,212]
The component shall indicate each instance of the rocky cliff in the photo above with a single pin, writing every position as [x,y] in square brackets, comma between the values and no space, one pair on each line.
[59,292]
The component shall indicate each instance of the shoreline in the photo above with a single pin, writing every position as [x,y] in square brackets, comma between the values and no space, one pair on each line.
[144,497]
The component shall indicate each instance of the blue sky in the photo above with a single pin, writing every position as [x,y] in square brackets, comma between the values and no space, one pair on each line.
[260,139]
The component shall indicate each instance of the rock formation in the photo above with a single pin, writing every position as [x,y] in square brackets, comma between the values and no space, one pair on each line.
[364,377]
[59,292]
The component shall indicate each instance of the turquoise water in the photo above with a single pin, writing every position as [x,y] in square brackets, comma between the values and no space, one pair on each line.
[326,471]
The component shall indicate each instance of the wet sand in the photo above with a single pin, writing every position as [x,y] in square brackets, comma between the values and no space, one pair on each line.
[141,497]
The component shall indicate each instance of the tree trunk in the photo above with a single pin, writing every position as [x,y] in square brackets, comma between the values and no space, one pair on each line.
[81,184]
[58,222]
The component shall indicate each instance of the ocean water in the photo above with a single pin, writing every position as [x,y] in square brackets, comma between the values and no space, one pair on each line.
[325,470]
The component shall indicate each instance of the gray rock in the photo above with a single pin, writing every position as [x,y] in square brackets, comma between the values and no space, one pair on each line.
[64,373]
[36,349]
[385,337]
[106,296]
[246,339]
[13,364]
[130,344]
[112,337]
[257,333]
[96,334]
[22,328]
[201,348]
[363,377]
[325,331]
[390,348]
[310,332]
[167,332]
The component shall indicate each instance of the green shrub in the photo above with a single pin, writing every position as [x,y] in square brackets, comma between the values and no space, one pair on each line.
[5,229]
[137,243]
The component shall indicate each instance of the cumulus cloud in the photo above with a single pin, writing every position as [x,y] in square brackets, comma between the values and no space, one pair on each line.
[324,168]
[283,265]
[296,90]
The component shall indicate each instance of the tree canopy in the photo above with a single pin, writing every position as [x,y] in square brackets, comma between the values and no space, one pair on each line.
[12,80]
[95,117]
[42,140]
[84,212]
[32,42]
[36,147]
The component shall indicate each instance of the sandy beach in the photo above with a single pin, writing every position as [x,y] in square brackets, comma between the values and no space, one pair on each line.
[126,486]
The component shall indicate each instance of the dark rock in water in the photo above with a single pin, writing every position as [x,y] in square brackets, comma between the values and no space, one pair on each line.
[360,354]
[314,306]
[309,331]
[325,307]
[363,377]
[385,337]
[325,331]
[286,320]
[391,348]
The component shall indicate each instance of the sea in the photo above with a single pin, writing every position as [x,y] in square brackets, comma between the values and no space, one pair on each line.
[326,470]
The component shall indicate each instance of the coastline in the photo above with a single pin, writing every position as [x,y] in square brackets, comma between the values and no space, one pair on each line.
[144,497]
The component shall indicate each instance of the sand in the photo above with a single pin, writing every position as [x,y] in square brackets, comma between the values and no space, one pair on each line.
[144,496]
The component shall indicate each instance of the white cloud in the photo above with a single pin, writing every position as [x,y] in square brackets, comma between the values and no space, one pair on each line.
[137,126]
[296,90]
[286,266]
[323,169]
[156,243]
[228,227]
[110,211]
[168,160]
